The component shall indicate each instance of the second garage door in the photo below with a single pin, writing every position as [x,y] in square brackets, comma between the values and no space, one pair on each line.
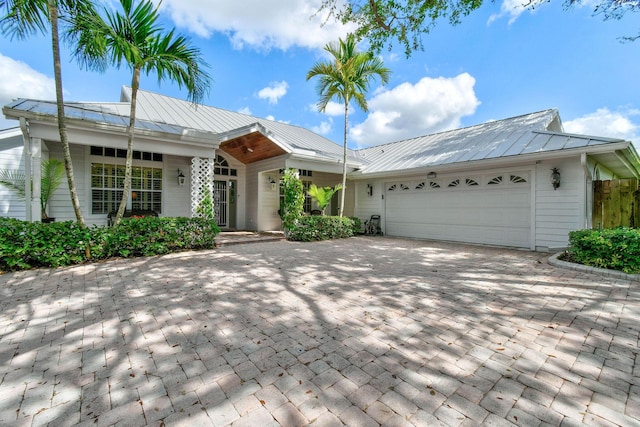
[494,209]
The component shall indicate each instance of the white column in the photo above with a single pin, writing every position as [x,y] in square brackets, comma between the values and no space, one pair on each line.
[201,182]
[36,173]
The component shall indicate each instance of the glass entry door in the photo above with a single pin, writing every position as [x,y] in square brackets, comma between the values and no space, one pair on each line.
[220,202]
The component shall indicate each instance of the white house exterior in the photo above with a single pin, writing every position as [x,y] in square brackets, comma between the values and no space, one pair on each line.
[486,184]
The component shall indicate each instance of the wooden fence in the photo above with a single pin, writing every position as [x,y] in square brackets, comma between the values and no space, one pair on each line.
[616,203]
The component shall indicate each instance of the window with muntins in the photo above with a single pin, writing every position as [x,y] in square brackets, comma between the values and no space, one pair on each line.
[107,183]
[221,167]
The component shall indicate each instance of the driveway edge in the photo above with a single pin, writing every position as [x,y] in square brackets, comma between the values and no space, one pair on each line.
[554,261]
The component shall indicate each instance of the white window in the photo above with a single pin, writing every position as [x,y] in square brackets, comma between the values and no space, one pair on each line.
[107,182]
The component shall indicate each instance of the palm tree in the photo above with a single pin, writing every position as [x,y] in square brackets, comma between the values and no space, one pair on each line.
[323,195]
[51,177]
[346,77]
[22,18]
[135,38]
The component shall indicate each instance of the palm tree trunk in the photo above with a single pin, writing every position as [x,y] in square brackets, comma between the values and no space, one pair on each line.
[344,157]
[135,84]
[62,128]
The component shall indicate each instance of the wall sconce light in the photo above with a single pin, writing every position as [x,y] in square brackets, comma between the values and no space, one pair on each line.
[181,178]
[432,175]
[555,178]
[369,190]
[272,182]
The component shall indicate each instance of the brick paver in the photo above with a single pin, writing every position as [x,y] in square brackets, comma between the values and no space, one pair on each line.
[362,332]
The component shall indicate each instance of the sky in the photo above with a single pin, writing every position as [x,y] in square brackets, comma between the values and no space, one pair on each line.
[502,60]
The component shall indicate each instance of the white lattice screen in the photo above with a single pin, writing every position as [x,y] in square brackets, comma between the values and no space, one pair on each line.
[201,181]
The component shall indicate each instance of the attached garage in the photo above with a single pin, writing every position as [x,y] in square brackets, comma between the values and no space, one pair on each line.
[493,209]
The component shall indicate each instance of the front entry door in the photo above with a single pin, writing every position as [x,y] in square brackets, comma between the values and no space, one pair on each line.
[220,202]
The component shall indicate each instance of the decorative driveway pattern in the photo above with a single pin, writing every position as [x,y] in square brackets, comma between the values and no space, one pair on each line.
[363,332]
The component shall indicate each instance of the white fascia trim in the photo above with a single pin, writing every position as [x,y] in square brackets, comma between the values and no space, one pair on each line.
[193,137]
[312,156]
[254,127]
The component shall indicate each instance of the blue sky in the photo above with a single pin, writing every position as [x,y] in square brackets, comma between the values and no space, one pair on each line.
[501,61]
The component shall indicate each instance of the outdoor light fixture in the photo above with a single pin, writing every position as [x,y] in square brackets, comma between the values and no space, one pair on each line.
[181,178]
[555,178]
[246,149]
[432,175]
[272,182]
[369,190]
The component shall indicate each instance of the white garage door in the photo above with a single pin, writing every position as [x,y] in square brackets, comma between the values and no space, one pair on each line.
[493,209]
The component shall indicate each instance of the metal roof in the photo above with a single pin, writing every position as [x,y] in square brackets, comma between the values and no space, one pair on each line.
[538,132]
[105,114]
[530,135]
[164,109]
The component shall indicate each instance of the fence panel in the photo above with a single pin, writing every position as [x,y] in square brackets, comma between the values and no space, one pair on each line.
[616,203]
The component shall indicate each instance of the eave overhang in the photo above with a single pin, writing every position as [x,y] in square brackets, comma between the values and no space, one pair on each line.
[623,149]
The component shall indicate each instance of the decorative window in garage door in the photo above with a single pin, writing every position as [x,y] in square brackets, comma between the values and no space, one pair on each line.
[513,179]
[460,183]
[396,187]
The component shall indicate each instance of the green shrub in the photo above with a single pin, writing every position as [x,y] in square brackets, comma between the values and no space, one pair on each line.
[25,245]
[357,225]
[312,228]
[615,249]
[293,200]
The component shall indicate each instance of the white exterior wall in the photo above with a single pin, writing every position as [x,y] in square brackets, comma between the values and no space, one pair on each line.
[262,200]
[60,206]
[176,199]
[11,158]
[557,212]
[364,205]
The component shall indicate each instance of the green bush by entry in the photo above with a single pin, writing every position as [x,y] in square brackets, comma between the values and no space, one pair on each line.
[312,228]
[25,245]
[615,249]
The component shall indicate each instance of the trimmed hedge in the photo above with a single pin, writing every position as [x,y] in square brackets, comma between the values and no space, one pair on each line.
[313,228]
[615,249]
[25,245]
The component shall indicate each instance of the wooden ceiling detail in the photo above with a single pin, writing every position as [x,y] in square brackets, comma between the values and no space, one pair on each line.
[251,148]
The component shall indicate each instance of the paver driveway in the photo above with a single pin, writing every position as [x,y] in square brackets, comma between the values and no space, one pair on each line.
[363,331]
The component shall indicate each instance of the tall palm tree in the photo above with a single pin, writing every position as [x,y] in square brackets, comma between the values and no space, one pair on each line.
[22,18]
[345,78]
[135,38]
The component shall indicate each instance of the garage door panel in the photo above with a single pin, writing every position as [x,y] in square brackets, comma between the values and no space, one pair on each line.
[496,216]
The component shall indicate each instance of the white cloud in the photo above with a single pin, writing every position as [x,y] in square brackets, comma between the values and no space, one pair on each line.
[245,110]
[324,127]
[606,123]
[273,119]
[511,8]
[332,108]
[19,80]
[409,110]
[261,24]
[274,91]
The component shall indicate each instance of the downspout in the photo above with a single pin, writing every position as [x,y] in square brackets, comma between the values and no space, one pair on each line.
[27,168]
[588,191]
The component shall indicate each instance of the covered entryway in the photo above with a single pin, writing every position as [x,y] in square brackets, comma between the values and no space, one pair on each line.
[493,209]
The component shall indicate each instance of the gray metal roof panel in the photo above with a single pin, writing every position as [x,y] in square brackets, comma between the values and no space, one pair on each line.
[91,112]
[164,109]
[489,140]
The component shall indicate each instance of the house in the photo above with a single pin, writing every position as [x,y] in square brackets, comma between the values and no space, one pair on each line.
[488,184]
